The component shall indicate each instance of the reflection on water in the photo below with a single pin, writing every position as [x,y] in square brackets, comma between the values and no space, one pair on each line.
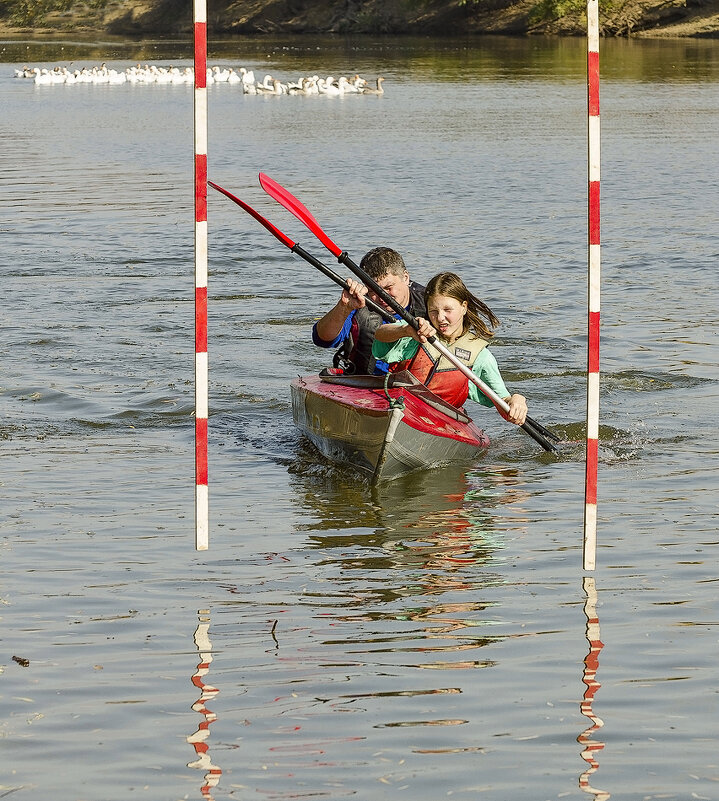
[591,748]
[439,521]
[198,739]
[409,558]
[402,611]
[454,497]
[443,59]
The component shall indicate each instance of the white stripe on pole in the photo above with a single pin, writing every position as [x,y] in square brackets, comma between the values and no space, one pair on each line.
[201,401]
[201,117]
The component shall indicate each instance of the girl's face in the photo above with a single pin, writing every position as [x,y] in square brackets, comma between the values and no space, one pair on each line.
[446,315]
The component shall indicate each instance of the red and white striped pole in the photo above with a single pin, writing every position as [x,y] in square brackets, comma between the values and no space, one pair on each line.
[201,363]
[593,151]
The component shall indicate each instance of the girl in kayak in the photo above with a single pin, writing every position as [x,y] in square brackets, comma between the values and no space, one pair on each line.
[457,318]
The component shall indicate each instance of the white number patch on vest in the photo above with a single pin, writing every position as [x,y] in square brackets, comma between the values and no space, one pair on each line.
[461,353]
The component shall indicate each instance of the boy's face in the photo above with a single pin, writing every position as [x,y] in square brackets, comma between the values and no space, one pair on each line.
[395,285]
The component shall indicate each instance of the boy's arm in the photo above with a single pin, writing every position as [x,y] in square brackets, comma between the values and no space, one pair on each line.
[328,328]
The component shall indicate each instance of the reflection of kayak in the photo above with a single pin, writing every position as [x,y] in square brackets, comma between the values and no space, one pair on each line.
[384,431]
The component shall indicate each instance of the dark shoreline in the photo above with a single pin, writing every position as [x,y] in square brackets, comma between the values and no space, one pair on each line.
[143,19]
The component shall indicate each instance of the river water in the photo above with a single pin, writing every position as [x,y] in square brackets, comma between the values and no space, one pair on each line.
[429,639]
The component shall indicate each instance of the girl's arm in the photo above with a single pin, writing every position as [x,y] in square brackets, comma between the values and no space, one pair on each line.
[391,332]
[517,409]
[486,368]
[404,347]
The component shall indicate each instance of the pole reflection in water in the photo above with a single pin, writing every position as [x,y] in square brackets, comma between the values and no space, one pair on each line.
[198,739]
[591,748]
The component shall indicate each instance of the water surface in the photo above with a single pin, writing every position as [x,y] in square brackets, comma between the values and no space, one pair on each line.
[434,637]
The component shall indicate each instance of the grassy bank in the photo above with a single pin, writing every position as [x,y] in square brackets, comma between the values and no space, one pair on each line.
[418,17]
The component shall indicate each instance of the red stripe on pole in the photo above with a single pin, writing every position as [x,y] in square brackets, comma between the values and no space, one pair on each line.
[593,344]
[594,215]
[593,83]
[201,319]
[201,450]
[200,187]
[200,55]
[590,494]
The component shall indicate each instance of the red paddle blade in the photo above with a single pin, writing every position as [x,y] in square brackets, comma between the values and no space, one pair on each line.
[260,219]
[290,202]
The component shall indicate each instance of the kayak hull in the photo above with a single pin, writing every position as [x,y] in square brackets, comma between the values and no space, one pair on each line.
[384,432]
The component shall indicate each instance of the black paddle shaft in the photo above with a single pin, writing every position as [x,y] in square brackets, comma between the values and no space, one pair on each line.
[330,273]
[366,279]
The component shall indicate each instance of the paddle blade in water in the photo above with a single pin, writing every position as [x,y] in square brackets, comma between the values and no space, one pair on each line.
[290,202]
[260,219]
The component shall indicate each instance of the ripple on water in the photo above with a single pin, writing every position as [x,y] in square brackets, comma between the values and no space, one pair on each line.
[423,638]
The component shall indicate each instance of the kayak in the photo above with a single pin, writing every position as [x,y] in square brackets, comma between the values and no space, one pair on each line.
[385,427]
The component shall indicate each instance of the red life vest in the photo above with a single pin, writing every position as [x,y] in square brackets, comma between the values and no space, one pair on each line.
[440,375]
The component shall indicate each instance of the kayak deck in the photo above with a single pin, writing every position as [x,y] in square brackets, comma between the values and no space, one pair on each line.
[383,431]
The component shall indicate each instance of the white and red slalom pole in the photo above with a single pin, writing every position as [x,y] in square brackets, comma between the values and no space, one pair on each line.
[201,364]
[593,153]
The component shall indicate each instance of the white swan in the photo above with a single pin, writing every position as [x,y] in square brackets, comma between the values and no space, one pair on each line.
[59,75]
[43,77]
[301,89]
[248,81]
[295,84]
[346,86]
[312,85]
[115,77]
[178,76]
[328,86]
[139,74]
[268,86]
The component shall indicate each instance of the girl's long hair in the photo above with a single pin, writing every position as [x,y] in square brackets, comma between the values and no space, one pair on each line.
[452,286]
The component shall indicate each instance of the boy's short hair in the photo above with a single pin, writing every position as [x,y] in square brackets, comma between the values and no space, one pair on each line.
[379,262]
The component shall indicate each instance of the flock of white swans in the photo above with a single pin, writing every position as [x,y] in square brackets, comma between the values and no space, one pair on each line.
[245,79]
